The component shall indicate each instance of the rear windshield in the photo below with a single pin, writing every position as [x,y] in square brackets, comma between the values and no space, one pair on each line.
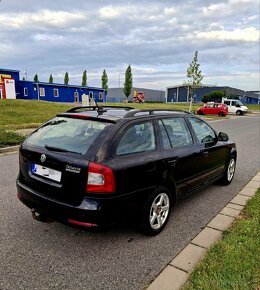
[67,134]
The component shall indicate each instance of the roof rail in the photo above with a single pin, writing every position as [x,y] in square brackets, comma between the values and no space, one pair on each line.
[96,108]
[152,111]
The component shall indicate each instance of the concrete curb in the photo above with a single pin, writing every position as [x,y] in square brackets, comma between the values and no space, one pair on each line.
[9,149]
[176,273]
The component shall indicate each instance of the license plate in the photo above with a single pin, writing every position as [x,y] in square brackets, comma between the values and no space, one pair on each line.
[46,172]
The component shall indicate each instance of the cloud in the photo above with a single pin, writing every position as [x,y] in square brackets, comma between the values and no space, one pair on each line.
[228,7]
[47,37]
[246,34]
[110,12]
[44,17]
[158,38]
[170,11]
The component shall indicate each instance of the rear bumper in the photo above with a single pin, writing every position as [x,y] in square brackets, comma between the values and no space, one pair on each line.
[99,211]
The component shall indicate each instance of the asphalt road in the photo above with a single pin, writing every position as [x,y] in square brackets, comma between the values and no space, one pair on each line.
[34,255]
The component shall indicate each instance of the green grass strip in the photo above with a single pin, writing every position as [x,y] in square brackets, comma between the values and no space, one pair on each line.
[234,262]
[22,114]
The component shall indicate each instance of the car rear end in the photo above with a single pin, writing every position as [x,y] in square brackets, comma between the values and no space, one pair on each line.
[222,110]
[57,169]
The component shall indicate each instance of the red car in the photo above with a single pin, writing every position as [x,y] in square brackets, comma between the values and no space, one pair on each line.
[213,109]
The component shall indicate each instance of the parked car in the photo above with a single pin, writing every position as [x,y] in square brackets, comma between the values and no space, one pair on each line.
[235,106]
[213,109]
[93,165]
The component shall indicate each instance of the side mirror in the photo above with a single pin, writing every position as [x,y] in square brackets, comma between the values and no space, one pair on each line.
[223,137]
[209,141]
[238,106]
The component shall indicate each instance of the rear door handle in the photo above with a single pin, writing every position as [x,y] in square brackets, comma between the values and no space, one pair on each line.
[172,162]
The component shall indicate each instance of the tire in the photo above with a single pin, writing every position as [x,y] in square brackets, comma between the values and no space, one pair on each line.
[238,113]
[156,211]
[221,114]
[200,113]
[229,171]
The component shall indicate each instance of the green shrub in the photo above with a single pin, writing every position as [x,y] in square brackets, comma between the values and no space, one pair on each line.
[215,96]
[8,138]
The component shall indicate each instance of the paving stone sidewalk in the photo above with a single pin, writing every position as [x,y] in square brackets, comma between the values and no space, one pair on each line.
[176,273]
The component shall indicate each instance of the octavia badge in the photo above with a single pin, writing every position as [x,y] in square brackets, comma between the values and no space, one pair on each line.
[43,157]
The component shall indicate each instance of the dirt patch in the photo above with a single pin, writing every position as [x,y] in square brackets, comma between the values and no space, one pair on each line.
[25,132]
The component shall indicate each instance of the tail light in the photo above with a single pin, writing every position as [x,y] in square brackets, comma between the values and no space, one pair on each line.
[100,178]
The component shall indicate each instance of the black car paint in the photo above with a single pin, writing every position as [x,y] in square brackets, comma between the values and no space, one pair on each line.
[183,170]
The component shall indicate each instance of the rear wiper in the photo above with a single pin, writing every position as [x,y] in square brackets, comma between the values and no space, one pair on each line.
[58,149]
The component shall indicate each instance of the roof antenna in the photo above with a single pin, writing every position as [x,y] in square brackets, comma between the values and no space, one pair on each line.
[100,109]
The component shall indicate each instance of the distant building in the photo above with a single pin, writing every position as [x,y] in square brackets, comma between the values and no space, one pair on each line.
[116,95]
[9,80]
[180,94]
[11,87]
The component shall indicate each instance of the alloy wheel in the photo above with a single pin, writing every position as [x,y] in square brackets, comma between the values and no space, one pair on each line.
[231,169]
[159,211]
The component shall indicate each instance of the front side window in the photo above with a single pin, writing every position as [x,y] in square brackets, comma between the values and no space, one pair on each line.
[42,92]
[137,138]
[202,130]
[67,134]
[175,133]
[237,103]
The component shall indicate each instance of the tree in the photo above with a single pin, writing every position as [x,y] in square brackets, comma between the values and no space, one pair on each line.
[104,81]
[215,96]
[36,78]
[194,76]
[66,78]
[194,73]
[84,79]
[128,82]
[51,79]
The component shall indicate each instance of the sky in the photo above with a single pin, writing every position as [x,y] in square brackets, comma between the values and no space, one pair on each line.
[157,38]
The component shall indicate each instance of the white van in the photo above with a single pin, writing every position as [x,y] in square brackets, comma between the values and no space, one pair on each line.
[235,106]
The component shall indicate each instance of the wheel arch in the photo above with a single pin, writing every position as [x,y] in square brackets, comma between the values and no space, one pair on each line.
[233,152]
[171,186]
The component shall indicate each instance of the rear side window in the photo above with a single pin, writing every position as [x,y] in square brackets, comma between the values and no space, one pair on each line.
[227,103]
[175,133]
[67,134]
[202,130]
[137,138]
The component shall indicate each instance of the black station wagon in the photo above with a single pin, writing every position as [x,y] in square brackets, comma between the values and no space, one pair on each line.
[93,165]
